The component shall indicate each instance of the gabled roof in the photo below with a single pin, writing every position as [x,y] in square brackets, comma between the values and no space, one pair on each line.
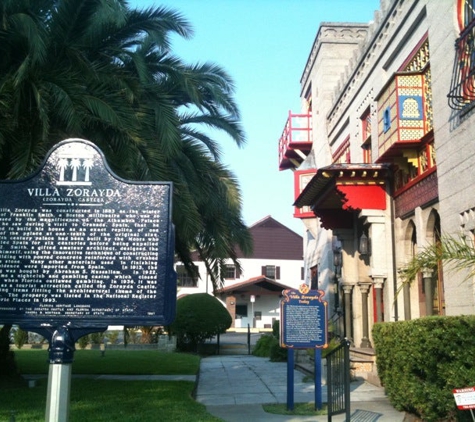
[261,282]
[273,240]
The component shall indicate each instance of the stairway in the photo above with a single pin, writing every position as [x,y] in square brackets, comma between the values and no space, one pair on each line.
[233,349]
[363,365]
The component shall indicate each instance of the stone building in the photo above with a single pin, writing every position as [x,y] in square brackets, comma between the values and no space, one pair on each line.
[382,155]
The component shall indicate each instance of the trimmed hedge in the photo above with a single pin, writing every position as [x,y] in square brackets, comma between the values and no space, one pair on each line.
[421,361]
[199,317]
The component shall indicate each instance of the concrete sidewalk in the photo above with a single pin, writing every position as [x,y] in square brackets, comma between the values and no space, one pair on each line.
[234,388]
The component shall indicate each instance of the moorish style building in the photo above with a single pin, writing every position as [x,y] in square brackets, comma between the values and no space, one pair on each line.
[382,155]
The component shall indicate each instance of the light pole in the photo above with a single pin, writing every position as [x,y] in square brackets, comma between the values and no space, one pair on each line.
[253,299]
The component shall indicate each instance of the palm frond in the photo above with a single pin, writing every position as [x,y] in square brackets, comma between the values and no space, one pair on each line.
[457,252]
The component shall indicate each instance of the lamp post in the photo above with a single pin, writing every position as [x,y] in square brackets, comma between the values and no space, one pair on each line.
[253,299]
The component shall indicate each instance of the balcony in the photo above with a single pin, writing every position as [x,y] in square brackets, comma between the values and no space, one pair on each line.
[462,88]
[404,114]
[296,141]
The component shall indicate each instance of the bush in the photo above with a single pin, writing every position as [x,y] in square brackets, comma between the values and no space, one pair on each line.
[112,336]
[199,317]
[83,341]
[421,361]
[268,345]
[263,345]
[96,338]
[277,353]
[20,337]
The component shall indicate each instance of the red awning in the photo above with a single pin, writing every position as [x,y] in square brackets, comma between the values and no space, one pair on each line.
[336,191]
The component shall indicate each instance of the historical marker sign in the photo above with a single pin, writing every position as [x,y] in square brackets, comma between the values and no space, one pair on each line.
[80,245]
[303,319]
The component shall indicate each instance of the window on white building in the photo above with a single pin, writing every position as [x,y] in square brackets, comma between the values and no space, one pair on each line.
[230,272]
[184,279]
[271,271]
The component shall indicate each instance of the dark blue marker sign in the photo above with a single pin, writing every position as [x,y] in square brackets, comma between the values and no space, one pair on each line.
[80,245]
[303,315]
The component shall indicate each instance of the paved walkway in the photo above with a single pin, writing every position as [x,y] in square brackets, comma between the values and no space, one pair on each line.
[234,388]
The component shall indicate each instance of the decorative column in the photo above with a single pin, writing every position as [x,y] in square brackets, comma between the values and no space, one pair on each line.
[364,287]
[429,292]
[347,288]
[378,288]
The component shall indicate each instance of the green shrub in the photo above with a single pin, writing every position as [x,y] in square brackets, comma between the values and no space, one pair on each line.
[20,337]
[263,345]
[199,317]
[96,338]
[277,353]
[112,336]
[268,345]
[421,361]
[83,341]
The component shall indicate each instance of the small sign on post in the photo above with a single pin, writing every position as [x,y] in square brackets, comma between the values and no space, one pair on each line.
[303,325]
[465,399]
[303,319]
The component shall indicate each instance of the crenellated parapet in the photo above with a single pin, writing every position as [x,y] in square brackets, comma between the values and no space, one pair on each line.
[367,56]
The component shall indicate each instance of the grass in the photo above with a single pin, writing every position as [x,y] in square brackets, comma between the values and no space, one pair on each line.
[300,409]
[118,362]
[101,400]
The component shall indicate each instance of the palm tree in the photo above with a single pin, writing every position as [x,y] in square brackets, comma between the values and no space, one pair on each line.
[457,252]
[99,70]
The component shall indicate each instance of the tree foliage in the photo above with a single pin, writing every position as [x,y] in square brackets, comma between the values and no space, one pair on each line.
[103,71]
[100,70]
[199,317]
[456,252]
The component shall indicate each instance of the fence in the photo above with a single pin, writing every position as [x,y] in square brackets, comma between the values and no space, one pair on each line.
[338,380]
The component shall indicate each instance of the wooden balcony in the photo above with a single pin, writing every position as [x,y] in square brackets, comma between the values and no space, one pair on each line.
[296,141]
[404,114]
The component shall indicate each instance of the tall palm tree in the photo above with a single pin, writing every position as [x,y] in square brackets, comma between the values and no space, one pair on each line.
[99,70]
[102,71]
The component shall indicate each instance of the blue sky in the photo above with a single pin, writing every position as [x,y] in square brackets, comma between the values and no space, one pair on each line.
[264,46]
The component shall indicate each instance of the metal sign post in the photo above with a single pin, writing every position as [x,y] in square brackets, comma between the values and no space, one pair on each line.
[59,377]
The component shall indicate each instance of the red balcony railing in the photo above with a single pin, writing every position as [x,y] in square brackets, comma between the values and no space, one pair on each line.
[296,140]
